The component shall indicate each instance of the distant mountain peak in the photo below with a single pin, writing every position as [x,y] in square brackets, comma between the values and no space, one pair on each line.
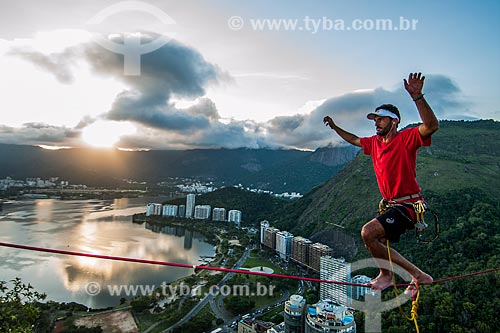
[334,155]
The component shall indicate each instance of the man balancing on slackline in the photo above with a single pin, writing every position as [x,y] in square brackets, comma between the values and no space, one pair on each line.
[394,160]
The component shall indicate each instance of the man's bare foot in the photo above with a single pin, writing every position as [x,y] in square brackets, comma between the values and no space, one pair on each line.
[380,283]
[421,279]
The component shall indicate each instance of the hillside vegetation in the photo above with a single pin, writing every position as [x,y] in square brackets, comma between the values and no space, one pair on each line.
[460,179]
[278,170]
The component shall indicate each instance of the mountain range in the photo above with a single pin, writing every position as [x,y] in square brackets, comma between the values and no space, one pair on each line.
[276,170]
[460,179]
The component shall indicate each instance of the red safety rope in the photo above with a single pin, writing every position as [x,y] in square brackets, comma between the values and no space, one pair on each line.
[221,269]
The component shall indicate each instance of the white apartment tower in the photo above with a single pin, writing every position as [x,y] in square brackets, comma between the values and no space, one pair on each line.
[150,209]
[294,314]
[169,210]
[202,212]
[336,270]
[358,291]
[284,244]
[219,214]
[190,202]
[263,225]
[154,209]
[234,216]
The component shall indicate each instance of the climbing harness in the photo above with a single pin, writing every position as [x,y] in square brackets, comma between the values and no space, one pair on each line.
[420,208]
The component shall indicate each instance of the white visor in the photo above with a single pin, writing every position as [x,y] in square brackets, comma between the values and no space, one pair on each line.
[382,113]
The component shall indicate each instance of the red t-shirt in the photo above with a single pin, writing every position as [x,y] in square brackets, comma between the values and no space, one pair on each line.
[395,162]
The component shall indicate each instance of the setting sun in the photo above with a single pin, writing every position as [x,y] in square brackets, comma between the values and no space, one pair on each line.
[105,134]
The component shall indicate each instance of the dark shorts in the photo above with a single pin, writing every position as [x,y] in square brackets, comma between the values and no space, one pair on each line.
[396,220]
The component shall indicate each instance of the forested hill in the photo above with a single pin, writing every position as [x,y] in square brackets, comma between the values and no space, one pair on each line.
[460,179]
[278,170]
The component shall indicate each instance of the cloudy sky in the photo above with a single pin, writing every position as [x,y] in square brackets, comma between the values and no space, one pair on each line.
[222,73]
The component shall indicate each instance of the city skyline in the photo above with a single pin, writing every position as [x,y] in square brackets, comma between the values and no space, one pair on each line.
[228,78]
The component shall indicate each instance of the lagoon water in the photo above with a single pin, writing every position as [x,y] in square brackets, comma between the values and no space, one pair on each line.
[94,226]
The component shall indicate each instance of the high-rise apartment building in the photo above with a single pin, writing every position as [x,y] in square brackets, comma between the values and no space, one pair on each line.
[316,251]
[270,237]
[169,210]
[182,211]
[284,244]
[234,216]
[190,203]
[294,314]
[202,212]
[300,250]
[263,225]
[357,291]
[150,209]
[154,209]
[336,270]
[219,214]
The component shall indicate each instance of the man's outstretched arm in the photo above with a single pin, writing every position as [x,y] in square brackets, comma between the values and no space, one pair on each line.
[349,137]
[414,87]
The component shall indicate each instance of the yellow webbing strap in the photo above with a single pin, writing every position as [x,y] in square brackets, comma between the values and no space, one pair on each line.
[415,297]
[419,208]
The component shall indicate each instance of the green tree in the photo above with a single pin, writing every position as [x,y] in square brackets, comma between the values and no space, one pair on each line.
[141,304]
[18,309]
[239,304]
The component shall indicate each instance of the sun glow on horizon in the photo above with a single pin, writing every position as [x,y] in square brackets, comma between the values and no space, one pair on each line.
[105,134]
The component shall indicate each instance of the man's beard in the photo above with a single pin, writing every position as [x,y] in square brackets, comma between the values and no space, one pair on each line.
[384,131]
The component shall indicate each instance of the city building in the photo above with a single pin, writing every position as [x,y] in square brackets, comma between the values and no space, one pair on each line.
[154,209]
[263,225]
[182,211]
[336,270]
[328,316]
[270,237]
[358,291]
[150,209]
[234,216]
[300,250]
[280,328]
[316,251]
[253,326]
[294,314]
[284,244]
[190,203]
[219,214]
[169,210]
[202,212]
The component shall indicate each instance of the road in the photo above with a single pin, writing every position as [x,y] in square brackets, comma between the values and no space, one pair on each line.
[209,297]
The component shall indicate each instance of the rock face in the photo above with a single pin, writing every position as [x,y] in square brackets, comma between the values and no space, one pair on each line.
[334,155]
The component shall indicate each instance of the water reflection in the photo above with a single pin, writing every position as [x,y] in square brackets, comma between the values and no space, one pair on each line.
[177,231]
[102,227]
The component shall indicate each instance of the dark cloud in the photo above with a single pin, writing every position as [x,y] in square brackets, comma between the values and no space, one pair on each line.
[286,123]
[349,111]
[56,64]
[39,133]
[140,109]
[84,122]
[172,70]
[176,71]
